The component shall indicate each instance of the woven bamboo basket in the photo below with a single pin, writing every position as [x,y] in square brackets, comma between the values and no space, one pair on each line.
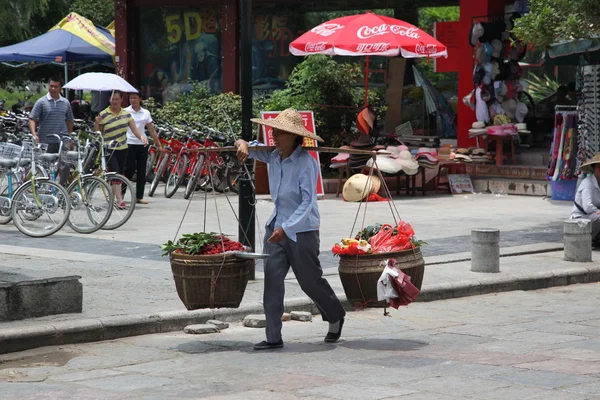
[210,281]
[359,274]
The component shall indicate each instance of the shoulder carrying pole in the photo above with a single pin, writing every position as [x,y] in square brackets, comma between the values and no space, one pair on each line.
[246,206]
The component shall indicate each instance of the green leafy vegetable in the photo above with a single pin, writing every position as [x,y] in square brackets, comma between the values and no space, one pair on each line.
[190,243]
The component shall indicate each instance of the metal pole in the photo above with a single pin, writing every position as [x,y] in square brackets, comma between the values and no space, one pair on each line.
[247,195]
[66,79]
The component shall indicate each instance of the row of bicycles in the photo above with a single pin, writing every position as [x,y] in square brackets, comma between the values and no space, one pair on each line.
[33,197]
[90,198]
[181,163]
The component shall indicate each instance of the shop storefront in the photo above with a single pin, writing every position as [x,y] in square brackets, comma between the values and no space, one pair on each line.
[162,45]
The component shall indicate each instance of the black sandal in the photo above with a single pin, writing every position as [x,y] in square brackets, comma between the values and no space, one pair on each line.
[334,337]
[264,345]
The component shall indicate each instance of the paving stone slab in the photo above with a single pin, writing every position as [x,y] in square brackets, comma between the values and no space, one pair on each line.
[201,329]
[219,324]
[255,321]
[301,316]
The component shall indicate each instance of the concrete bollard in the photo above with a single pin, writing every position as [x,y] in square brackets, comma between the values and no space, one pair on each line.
[485,250]
[578,240]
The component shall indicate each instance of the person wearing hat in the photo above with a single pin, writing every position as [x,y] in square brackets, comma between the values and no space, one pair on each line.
[292,231]
[587,198]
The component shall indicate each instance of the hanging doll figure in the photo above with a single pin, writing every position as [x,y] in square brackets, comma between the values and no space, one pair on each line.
[292,231]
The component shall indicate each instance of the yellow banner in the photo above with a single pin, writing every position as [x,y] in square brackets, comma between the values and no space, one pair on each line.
[111,28]
[85,29]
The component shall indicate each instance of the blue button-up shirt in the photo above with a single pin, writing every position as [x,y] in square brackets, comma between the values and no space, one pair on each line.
[293,186]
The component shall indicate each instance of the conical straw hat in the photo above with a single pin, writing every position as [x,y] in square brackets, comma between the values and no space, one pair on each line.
[588,164]
[288,120]
[357,187]
[376,184]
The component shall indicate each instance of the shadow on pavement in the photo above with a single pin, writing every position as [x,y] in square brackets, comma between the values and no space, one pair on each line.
[383,344]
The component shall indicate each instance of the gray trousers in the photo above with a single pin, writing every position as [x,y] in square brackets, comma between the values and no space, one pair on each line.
[303,257]
[595,218]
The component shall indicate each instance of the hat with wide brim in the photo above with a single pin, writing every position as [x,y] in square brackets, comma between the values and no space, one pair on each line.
[385,164]
[289,120]
[357,187]
[586,167]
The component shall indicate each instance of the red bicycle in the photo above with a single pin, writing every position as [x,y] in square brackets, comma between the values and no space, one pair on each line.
[167,158]
[154,154]
[205,162]
[183,166]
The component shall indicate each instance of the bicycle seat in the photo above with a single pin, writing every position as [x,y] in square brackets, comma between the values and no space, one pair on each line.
[24,161]
[8,163]
[72,154]
[49,157]
[219,138]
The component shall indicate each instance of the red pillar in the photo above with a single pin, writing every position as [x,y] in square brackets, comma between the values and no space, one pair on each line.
[229,47]
[121,56]
[468,10]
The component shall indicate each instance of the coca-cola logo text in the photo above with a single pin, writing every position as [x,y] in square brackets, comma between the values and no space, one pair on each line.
[426,49]
[372,47]
[326,29]
[311,47]
[366,32]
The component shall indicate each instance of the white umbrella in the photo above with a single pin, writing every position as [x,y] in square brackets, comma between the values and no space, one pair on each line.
[100,81]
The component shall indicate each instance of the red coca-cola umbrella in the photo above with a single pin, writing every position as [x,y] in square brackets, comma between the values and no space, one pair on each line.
[368,35]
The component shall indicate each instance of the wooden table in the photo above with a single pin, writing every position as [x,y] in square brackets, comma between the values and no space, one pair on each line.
[499,140]
[411,182]
[453,168]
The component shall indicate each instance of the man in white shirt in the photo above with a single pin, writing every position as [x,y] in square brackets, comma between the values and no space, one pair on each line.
[137,155]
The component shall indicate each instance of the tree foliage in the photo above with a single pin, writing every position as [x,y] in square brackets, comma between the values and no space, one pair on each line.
[222,112]
[329,88]
[101,12]
[427,17]
[16,17]
[24,19]
[549,21]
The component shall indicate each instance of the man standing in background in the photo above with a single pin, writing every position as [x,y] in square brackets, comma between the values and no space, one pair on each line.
[100,101]
[52,115]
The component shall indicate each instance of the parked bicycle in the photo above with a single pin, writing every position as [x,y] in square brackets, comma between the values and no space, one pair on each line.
[91,196]
[211,161]
[122,188]
[38,207]
[183,166]
[166,160]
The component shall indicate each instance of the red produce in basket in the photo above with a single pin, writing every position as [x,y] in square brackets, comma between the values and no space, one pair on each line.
[386,242]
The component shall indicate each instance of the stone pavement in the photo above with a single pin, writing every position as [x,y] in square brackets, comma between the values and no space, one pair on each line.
[540,345]
[128,287]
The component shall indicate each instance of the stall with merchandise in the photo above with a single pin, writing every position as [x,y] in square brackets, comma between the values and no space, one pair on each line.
[497,97]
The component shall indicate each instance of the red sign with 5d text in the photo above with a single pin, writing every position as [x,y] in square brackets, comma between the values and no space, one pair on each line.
[309,123]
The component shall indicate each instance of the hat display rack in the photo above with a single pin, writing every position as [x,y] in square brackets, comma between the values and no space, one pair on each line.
[496,96]
[589,117]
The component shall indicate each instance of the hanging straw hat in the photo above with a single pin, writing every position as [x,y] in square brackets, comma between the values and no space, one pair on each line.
[357,187]
[587,166]
[289,120]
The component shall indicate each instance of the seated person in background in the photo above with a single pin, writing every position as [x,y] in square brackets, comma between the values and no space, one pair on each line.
[587,198]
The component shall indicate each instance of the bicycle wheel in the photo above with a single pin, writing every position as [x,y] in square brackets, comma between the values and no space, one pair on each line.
[91,204]
[5,215]
[150,167]
[40,208]
[193,179]
[234,172]
[219,179]
[176,177]
[121,212]
[162,166]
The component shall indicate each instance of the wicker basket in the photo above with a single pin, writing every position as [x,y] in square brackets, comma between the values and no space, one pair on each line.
[359,274]
[210,281]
